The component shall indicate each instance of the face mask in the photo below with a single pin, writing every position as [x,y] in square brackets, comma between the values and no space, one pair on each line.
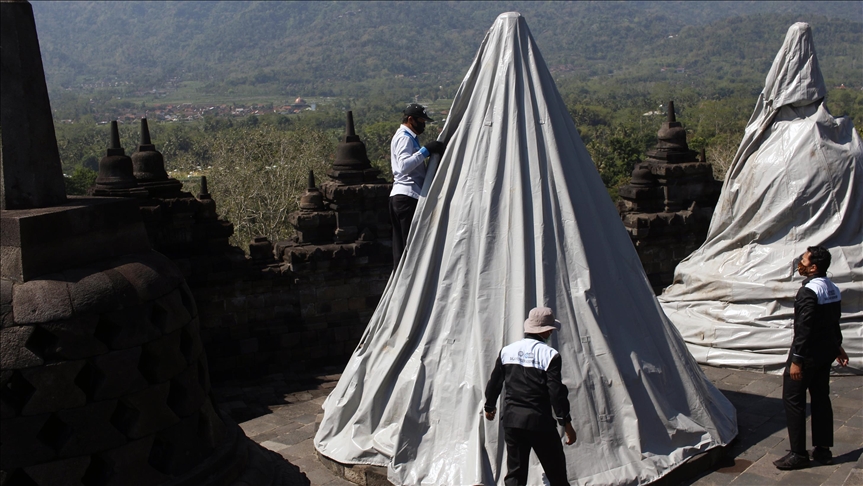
[420,128]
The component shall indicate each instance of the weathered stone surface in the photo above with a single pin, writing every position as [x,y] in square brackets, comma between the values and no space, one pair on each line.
[127,465]
[29,142]
[72,339]
[204,374]
[15,391]
[55,433]
[36,242]
[186,395]
[188,300]
[190,342]
[54,387]
[307,220]
[162,358]
[64,472]
[178,448]
[669,202]
[147,280]
[8,408]
[211,428]
[144,413]
[42,300]
[168,313]
[126,328]
[28,450]
[91,429]
[6,315]
[91,291]
[14,353]
[116,374]
[123,293]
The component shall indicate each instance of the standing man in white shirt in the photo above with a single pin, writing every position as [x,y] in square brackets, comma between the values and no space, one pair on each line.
[409,171]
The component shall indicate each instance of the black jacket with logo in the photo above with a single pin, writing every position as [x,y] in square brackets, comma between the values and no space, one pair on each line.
[817,335]
[531,370]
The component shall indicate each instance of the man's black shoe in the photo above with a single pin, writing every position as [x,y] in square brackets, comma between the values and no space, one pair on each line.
[792,461]
[822,455]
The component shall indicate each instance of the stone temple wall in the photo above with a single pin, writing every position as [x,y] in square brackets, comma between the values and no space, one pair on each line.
[296,305]
[262,320]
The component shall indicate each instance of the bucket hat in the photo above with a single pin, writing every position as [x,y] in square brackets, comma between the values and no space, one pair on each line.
[539,320]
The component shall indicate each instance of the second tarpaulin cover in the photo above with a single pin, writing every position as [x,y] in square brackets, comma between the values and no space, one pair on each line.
[796,181]
[515,217]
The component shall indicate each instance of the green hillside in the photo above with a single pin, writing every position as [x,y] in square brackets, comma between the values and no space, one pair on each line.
[360,48]
[616,65]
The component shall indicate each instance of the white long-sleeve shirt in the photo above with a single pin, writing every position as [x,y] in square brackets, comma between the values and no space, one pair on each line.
[407,158]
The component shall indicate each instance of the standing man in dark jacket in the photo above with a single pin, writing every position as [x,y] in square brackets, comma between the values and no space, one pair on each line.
[531,370]
[817,342]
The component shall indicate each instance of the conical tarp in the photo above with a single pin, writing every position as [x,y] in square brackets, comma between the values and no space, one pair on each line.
[516,216]
[796,181]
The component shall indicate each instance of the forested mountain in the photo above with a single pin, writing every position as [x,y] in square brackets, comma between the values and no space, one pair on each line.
[616,65]
[359,48]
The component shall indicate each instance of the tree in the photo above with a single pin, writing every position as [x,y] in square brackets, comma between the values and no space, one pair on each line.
[80,181]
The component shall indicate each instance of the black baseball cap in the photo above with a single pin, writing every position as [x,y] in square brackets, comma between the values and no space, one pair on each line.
[417,111]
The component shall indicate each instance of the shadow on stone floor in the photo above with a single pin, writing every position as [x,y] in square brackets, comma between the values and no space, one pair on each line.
[852,456]
[248,399]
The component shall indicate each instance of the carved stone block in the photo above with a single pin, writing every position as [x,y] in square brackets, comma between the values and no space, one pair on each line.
[144,413]
[64,472]
[126,328]
[123,293]
[14,353]
[42,300]
[92,429]
[188,300]
[178,448]
[211,429]
[27,450]
[148,281]
[54,388]
[168,313]
[190,342]
[162,358]
[127,465]
[186,394]
[116,374]
[91,291]
[72,339]
[6,316]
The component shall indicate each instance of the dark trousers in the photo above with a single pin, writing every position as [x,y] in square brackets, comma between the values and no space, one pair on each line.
[548,448]
[402,209]
[816,379]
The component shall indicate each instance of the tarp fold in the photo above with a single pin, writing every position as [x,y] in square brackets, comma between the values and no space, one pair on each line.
[516,216]
[796,181]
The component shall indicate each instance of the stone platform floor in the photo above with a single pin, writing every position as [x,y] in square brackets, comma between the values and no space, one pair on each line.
[279,412]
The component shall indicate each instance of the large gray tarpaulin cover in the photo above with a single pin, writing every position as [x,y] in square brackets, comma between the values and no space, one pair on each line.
[517,216]
[796,181]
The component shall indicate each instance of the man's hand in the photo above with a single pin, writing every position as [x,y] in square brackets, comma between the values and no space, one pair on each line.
[490,415]
[570,433]
[842,359]
[796,372]
[435,147]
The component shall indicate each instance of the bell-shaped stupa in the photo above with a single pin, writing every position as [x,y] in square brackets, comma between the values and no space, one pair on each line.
[515,217]
[795,182]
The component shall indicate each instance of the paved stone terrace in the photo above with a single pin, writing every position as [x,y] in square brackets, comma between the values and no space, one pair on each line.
[279,412]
